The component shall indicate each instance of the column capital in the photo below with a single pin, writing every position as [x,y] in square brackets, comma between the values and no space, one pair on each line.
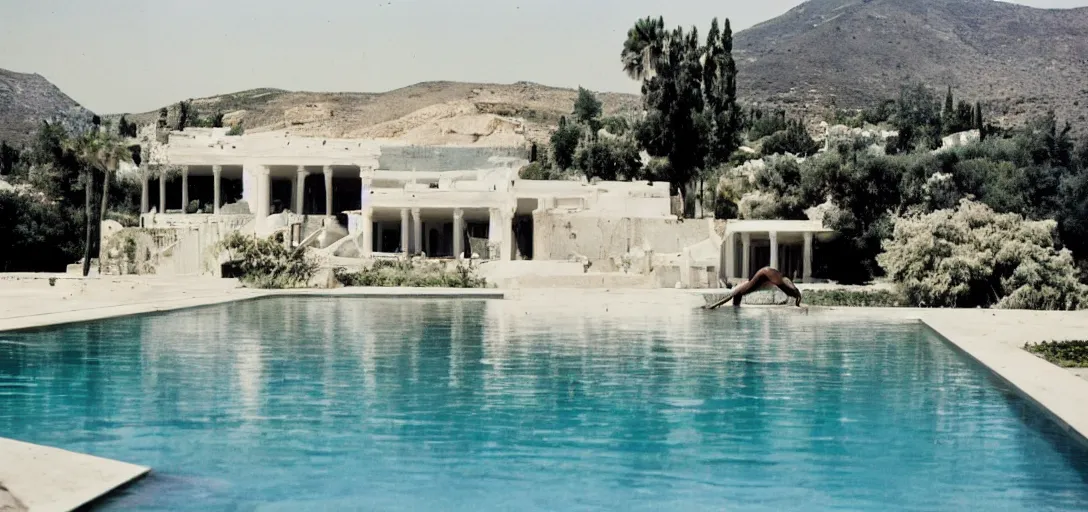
[458,213]
[327,170]
[808,236]
[302,170]
[216,169]
[415,212]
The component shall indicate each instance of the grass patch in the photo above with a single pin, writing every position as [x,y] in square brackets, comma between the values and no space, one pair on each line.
[1067,354]
[413,274]
[853,298]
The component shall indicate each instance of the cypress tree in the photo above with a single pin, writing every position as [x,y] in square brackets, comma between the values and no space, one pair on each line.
[948,117]
[978,121]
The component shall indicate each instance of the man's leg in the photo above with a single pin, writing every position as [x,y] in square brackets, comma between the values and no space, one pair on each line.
[749,286]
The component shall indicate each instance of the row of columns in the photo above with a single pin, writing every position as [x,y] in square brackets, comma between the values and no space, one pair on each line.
[411,230]
[746,254]
[263,188]
[500,234]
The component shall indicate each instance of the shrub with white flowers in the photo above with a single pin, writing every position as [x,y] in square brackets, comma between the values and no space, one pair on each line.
[972,256]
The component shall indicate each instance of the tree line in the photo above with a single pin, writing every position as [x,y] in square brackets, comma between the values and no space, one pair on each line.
[64,186]
[696,132]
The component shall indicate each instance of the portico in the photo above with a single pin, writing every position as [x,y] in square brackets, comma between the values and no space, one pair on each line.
[438,232]
[787,245]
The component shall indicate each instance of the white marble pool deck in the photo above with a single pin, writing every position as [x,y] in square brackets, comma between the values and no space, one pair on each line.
[993,337]
[41,478]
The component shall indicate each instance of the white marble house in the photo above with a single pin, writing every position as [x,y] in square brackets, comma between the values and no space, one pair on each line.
[357,199]
[392,198]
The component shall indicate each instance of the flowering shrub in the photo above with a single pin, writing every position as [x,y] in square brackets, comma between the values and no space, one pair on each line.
[972,256]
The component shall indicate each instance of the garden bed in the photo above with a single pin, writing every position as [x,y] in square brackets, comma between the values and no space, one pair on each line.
[1067,354]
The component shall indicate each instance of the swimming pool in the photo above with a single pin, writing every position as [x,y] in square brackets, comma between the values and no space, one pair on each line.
[348,404]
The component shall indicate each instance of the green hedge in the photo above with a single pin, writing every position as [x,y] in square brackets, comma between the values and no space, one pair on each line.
[1068,354]
[412,273]
[853,298]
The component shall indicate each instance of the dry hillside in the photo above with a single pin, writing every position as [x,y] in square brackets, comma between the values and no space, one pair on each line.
[28,99]
[426,113]
[1018,60]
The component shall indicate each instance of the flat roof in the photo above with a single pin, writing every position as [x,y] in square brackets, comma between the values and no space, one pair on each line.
[767,226]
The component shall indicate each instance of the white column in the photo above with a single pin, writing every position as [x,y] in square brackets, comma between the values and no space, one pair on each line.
[417,231]
[217,175]
[729,265]
[145,194]
[458,233]
[260,209]
[494,234]
[366,179]
[746,256]
[328,190]
[162,191]
[507,227]
[405,225]
[366,240]
[300,188]
[184,190]
[806,276]
[249,186]
[774,249]
[266,191]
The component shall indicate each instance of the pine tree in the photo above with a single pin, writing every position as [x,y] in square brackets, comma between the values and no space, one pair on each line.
[587,108]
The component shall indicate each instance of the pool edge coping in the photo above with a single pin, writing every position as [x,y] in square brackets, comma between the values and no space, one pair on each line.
[1023,380]
[51,490]
[1055,392]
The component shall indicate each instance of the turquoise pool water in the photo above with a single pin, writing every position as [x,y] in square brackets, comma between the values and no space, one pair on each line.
[355,404]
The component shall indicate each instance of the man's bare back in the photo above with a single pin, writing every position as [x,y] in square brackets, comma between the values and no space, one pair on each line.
[766,277]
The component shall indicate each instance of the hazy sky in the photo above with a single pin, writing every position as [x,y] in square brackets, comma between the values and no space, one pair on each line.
[137,55]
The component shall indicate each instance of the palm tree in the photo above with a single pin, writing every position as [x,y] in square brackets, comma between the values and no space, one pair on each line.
[103,151]
[644,48]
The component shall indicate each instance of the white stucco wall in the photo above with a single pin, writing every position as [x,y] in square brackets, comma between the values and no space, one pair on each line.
[561,236]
